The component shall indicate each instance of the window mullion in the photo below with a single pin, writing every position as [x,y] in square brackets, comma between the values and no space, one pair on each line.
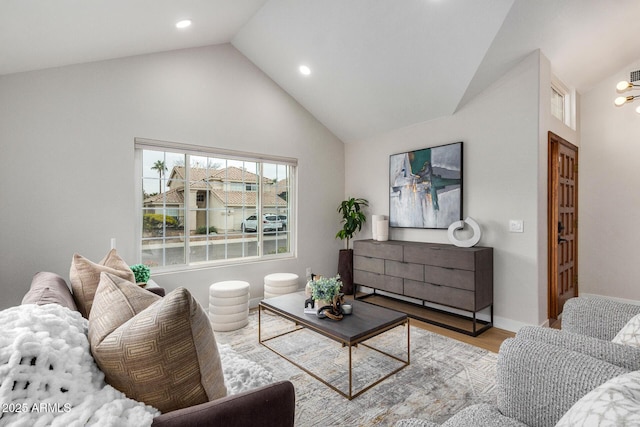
[259,217]
[187,204]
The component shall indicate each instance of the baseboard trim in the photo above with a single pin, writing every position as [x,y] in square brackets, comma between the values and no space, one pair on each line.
[508,324]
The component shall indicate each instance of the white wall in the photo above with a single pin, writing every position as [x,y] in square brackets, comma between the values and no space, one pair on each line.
[500,131]
[609,169]
[66,143]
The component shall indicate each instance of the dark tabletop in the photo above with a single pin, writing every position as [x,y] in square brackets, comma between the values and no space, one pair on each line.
[366,321]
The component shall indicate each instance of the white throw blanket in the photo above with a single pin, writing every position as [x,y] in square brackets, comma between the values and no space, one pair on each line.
[48,376]
[241,374]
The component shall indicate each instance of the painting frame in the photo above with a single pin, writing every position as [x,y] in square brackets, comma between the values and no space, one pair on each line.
[426,187]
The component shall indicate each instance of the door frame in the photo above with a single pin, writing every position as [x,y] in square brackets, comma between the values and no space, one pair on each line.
[554,141]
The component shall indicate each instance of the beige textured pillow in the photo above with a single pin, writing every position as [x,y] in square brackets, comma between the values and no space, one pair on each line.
[84,276]
[164,355]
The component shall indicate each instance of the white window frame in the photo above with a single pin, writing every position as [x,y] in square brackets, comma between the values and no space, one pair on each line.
[568,95]
[141,144]
[555,102]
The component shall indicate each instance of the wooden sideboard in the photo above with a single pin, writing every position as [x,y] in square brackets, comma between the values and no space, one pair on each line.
[446,275]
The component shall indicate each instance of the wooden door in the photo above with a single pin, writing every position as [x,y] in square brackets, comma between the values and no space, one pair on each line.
[563,223]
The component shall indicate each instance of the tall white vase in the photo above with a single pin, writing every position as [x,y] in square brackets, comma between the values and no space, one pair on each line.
[382,230]
[374,225]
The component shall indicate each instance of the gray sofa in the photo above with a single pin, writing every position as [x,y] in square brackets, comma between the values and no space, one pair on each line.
[269,406]
[543,372]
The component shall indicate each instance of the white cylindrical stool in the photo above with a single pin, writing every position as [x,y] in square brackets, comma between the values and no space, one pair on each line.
[229,305]
[277,284]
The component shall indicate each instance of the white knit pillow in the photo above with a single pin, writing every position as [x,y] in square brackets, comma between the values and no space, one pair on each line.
[614,403]
[630,333]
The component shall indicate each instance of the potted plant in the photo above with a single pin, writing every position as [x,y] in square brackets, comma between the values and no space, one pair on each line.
[142,273]
[325,291]
[352,219]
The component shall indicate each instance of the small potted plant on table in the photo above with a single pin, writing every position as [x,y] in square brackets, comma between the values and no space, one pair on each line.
[142,273]
[325,291]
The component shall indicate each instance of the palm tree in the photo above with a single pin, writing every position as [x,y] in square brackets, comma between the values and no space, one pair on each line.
[161,167]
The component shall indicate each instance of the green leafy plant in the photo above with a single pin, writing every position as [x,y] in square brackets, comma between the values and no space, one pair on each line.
[203,230]
[325,288]
[141,272]
[352,218]
[281,250]
[152,221]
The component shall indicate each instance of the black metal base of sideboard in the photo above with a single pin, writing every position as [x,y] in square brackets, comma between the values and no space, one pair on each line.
[479,326]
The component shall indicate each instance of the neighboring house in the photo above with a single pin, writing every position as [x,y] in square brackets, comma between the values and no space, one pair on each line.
[223,196]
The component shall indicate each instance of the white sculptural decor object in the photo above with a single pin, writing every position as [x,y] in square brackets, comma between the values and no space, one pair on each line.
[459,225]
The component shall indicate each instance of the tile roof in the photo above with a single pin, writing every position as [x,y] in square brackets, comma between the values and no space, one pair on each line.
[235,174]
[231,174]
[175,196]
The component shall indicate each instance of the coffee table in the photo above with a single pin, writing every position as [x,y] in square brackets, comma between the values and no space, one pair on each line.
[367,321]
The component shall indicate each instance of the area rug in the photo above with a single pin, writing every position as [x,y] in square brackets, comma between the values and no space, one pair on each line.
[444,376]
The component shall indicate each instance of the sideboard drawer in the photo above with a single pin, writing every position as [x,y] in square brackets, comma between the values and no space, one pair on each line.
[462,279]
[404,269]
[374,265]
[378,281]
[375,249]
[441,256]
[438,294]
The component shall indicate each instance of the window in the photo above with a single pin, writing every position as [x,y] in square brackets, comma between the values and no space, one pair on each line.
[562,103]
[202,206]
[557,104]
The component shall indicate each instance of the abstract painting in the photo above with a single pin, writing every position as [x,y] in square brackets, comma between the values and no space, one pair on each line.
[425,187]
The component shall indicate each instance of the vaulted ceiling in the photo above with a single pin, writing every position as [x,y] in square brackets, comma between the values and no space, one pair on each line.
[376,65]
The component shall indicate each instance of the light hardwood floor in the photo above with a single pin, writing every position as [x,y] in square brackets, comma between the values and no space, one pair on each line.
[490,340]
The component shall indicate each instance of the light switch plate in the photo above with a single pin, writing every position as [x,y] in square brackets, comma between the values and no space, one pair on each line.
[516,226]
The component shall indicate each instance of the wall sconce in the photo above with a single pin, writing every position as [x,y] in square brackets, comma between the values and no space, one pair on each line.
[621,100]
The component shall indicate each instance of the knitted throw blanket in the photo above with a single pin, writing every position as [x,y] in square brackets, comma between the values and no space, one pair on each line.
[48,376]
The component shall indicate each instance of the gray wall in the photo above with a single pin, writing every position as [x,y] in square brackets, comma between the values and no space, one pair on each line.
[66,143]
[500,132]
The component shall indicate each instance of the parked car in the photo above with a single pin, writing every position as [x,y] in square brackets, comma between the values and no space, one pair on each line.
[283,220]
[270,222]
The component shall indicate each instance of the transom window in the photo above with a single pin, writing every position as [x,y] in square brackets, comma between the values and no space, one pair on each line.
[203,206]
[557,104]
[562,102]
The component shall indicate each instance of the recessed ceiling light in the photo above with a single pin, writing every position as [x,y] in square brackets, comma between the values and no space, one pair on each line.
[304,70]
[183,24]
